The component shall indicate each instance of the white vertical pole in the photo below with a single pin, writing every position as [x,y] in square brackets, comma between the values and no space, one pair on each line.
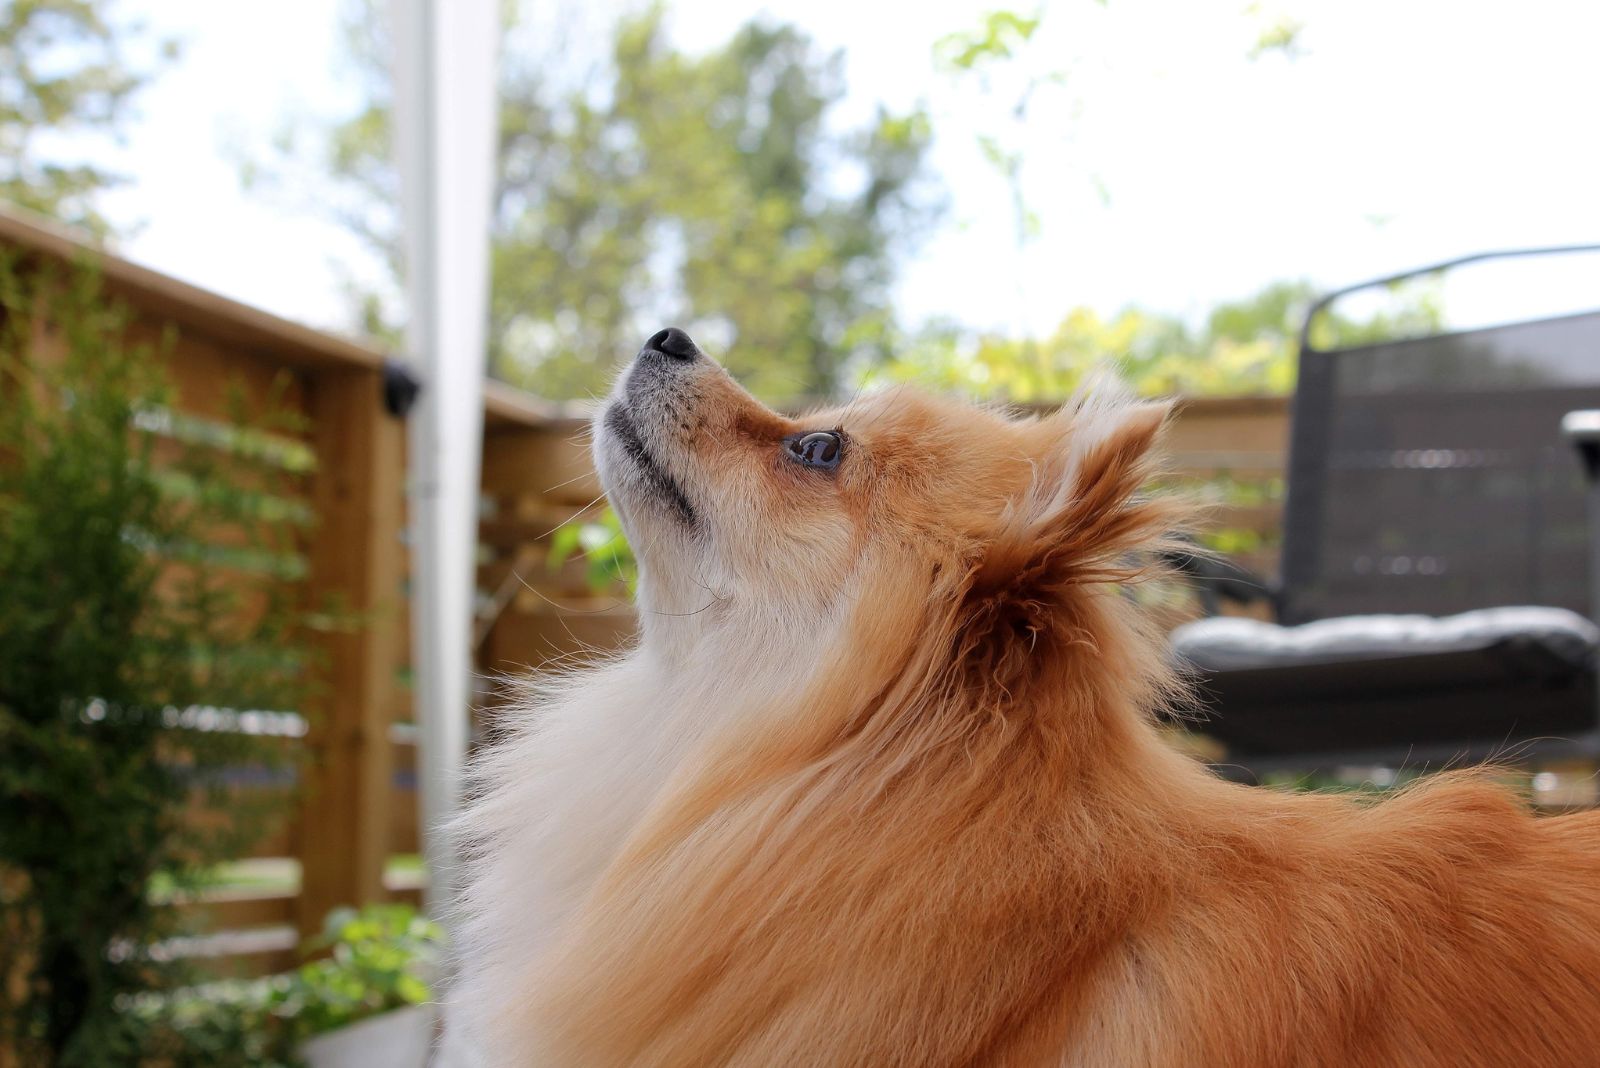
[445,123]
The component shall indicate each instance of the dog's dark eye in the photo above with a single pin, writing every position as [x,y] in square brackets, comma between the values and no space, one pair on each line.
[820,448]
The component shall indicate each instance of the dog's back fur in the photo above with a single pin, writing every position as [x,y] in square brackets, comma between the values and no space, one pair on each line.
[946,831]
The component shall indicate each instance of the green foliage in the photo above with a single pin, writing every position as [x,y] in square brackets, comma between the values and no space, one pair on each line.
[1000,34]
[63,69]
[219,1025]
[379,960]
[121,652]
[1247,346]
[372,961]
[1276,31]
[994,61]
[710,191]
[608,559]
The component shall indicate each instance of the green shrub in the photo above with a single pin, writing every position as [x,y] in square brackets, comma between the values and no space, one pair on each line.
[380,959]
[375,960]
[118,643]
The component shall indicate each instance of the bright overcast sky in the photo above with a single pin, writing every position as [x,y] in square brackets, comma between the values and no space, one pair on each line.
[1408,131]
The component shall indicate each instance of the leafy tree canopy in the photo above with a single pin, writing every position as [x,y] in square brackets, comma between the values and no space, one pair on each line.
[1245,346]
[714,191]
[64,70]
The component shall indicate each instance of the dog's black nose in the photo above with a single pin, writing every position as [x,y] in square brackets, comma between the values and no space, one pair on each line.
[673,342]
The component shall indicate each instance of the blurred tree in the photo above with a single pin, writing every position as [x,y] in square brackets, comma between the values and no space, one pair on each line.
[149,565]
[994,47]
[63,70]
[1025,81]
[1246,346]
[710,191]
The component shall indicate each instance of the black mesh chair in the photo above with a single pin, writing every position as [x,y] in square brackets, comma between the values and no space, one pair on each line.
[1436,596]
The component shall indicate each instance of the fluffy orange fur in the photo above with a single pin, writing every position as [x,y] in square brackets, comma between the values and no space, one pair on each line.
[960,840]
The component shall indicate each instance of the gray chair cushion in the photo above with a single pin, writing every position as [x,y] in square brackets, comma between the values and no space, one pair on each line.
[1226,644]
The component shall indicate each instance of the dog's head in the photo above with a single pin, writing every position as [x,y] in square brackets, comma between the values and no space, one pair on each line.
[865,523]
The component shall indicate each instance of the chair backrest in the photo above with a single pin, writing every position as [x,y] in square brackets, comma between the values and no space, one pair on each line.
[1430,475]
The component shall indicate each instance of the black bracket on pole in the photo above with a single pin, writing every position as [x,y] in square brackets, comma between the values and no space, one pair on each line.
[400,388]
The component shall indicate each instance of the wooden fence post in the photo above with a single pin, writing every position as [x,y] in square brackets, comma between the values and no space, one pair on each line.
[356,562]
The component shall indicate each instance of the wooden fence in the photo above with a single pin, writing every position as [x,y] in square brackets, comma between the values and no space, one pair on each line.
[352,833]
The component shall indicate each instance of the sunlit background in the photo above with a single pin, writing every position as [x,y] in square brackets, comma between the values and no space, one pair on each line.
[1040,171]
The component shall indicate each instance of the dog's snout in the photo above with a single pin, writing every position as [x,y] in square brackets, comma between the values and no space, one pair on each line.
[674,343]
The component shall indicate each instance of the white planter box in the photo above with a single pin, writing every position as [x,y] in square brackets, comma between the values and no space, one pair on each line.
[398,1039]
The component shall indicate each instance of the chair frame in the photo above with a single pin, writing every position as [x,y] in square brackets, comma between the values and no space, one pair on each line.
[1215,579]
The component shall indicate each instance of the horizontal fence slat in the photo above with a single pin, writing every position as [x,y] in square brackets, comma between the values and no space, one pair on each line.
[552,466]
[219,381]
[230,909]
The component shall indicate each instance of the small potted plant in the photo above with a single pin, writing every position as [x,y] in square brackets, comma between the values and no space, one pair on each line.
[365,1001]
[368,1001]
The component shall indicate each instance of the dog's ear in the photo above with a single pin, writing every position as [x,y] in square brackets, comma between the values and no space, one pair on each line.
[1084,519]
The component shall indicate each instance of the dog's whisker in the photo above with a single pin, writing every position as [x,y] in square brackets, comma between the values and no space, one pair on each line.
[573,517]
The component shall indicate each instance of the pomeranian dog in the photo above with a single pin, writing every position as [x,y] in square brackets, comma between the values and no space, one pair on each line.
[880,785]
